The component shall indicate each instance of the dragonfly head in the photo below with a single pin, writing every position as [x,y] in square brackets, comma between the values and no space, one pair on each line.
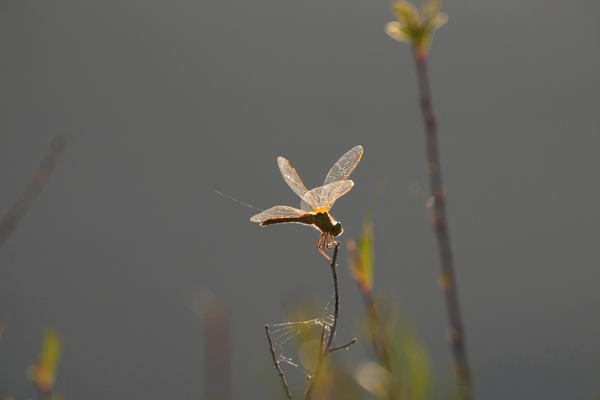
[337,230]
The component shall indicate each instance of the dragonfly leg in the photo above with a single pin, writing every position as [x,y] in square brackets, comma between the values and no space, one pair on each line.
[329,242]
[322,244]
[333,242]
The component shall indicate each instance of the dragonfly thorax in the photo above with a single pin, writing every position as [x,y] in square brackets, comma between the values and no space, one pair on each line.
[326,224]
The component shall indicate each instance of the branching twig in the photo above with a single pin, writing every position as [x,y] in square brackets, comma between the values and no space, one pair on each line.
[277,366]
[324,352]
[457,337]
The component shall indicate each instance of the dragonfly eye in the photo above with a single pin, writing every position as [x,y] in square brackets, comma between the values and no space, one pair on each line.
[337,230]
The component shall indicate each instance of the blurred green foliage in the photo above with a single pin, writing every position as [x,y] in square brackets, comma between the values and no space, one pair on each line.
[44,372]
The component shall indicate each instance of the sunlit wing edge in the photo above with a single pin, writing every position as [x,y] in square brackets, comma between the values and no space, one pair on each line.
[291,177]
[342,169]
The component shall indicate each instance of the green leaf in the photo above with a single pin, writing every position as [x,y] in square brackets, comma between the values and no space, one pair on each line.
[46,369]
[366,252]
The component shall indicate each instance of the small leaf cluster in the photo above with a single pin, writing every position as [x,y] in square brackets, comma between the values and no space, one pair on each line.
[416,27]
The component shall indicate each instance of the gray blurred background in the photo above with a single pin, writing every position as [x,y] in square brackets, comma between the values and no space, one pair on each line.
[167,100]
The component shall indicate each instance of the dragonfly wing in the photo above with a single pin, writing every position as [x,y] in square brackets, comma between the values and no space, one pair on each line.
[278,212]
[293,180]
[344,166]
[291,176]
[325,196]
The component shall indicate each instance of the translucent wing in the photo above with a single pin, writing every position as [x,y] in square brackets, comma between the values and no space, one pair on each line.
[344,166]
[293,180]
[278,212]
[325,196]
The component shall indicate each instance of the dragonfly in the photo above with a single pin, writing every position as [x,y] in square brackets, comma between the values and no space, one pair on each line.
[316,203]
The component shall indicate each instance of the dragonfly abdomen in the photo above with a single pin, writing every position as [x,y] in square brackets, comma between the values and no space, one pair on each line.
[307,219]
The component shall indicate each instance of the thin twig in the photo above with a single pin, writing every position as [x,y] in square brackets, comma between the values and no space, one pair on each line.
[344,346]
[277,366]
[32,190]
[336,311]
[457,336]
[336,288]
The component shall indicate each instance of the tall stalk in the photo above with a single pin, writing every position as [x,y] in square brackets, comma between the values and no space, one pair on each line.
[417,27]
[440,226]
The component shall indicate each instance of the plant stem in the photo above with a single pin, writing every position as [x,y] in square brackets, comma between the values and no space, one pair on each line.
[377,338]
[378,342]
[440,225]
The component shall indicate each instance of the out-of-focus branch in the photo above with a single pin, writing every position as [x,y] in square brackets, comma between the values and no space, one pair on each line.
[217,345]
[34,187]
[377,337]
